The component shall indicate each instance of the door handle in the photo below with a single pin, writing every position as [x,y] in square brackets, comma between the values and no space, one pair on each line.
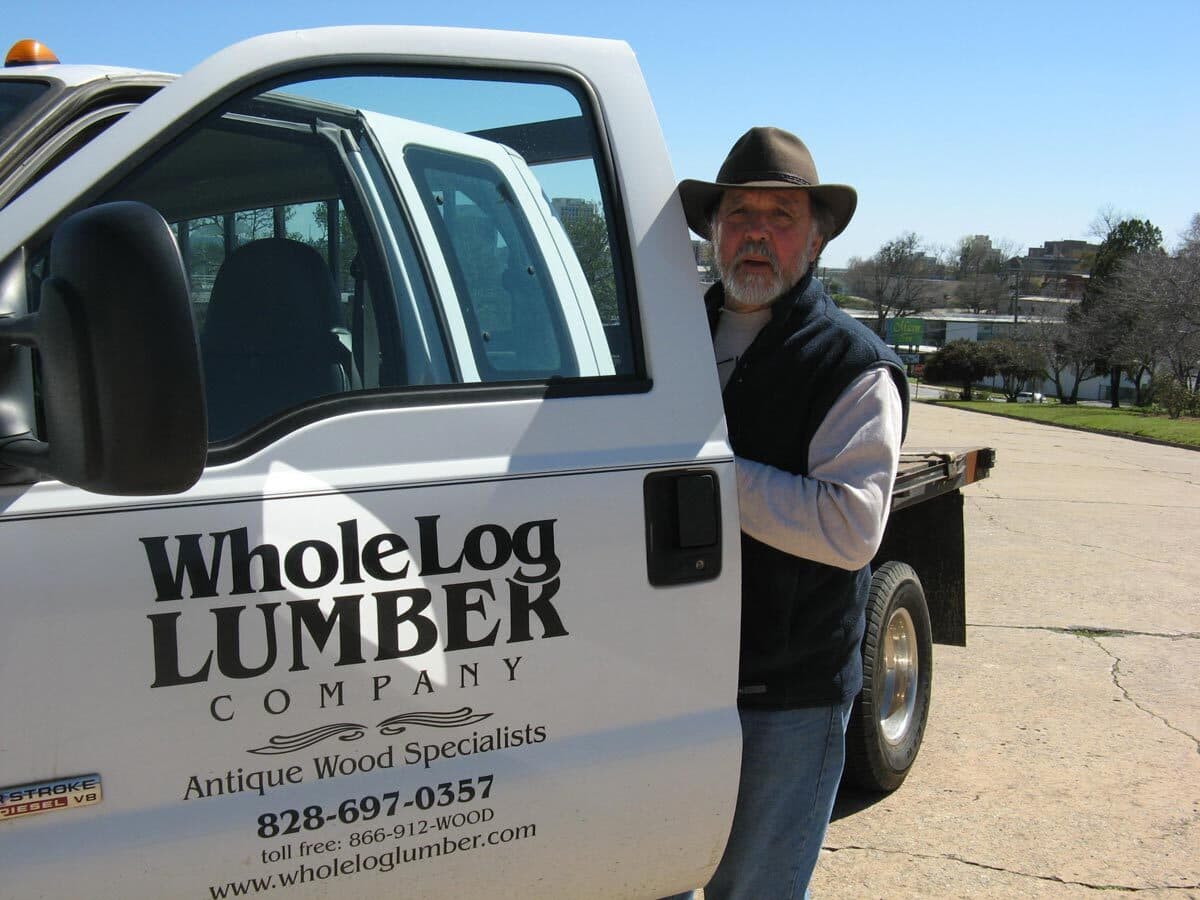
[683,526]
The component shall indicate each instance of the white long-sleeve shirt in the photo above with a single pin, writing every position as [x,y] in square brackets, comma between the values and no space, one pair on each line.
[837,513]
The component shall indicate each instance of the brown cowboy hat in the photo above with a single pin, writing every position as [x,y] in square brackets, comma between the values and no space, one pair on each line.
[766,158]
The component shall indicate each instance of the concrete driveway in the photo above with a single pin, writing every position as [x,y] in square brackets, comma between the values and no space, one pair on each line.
[1062,757]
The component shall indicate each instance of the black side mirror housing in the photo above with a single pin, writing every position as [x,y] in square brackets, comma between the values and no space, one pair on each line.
[121,380]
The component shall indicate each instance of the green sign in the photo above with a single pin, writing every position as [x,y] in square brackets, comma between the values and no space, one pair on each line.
[908,331]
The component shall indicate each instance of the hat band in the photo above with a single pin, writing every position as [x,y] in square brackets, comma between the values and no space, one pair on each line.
[775,176]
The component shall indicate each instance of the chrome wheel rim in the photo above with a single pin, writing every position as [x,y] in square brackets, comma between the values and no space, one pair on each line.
[900,669]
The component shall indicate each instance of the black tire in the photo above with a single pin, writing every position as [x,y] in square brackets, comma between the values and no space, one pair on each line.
[888,721]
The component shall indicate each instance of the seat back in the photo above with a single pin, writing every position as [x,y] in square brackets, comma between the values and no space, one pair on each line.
[269,342]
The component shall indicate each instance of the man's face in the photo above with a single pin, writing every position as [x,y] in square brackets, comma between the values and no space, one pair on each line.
[765,240]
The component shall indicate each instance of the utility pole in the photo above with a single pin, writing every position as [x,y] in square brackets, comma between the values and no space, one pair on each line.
[1014,265]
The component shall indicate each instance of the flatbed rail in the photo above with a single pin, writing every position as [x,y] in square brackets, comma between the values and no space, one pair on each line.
[925,473]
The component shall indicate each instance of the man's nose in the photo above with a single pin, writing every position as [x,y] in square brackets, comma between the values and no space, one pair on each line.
[758,225]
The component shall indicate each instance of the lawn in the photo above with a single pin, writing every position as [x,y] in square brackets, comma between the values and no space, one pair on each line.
[1184,431]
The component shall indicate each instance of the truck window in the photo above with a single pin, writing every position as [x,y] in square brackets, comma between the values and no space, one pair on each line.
[16,96]
[500,274]
[356,238]
[56,148]
[268,223]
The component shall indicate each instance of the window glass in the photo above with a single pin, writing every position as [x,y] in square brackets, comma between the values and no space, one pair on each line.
[51,152]
[500,274]
[389,231]
[16,96]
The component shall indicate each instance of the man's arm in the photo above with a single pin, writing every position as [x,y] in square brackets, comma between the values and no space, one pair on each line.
[837,514]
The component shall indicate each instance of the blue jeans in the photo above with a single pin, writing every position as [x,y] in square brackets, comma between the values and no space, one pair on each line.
[791,765]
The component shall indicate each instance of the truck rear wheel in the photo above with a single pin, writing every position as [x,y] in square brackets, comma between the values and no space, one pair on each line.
[888,721]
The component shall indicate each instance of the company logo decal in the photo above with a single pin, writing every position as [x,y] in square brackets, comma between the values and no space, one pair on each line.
[229,609]
[409,614]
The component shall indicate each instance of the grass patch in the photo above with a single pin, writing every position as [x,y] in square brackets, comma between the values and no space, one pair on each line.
[849,301]
[1184,431]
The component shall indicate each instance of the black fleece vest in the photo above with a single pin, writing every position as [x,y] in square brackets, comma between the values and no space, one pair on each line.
[802,621]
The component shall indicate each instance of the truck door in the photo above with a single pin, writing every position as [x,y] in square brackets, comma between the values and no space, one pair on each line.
[453,607]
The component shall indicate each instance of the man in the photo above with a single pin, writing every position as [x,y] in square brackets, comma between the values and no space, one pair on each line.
[816,407]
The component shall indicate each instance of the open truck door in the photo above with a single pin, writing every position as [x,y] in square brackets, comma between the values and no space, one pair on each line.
[451,601]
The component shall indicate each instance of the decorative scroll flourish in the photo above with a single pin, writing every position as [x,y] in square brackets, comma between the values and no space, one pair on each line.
[456,719]
[351,731]
[289,743]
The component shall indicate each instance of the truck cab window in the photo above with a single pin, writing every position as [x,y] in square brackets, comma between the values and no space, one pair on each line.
[500,274]
[268,224]
[357,234]
[16,96]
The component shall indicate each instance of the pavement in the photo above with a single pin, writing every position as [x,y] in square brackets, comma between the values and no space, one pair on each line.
[1062,756]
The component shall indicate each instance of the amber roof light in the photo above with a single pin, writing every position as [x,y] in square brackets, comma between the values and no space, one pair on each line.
[29,53]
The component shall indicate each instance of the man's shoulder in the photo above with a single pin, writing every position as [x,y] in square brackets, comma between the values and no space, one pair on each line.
[836,319]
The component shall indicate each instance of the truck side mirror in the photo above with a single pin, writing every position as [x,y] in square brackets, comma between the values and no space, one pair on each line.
[121,381]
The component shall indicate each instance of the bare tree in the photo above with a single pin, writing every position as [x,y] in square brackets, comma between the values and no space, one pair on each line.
[1111,315]
[1190,238]
[1166,292]
[1068,351]
[980,268]
[893,280]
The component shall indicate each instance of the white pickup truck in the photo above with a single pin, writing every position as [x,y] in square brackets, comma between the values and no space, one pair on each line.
[367,518]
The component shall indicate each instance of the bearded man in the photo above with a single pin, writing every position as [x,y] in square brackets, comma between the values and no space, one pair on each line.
[816,407]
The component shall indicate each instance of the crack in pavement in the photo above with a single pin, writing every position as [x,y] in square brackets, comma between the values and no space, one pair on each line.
[1055,879]
[1090,631]
[1094,634]
[995,521]
[1116,677]
[1118,551]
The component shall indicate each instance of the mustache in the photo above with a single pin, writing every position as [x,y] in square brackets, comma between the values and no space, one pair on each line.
[759,249]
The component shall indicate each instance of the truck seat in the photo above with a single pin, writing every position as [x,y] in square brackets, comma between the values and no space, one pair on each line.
[269,342]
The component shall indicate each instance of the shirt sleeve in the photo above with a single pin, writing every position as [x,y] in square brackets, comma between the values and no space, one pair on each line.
[836,515]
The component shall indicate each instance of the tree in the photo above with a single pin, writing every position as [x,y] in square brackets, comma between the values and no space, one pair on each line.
[1108,315]
[705,255]
[960,362]
[893,280]
[979,268]
[588,233]
[255,224]
[1065,354]
[1166,291]
[1017,362]
[347,250]
[1174,396]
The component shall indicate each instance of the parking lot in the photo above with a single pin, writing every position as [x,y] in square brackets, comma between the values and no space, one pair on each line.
[1062,757]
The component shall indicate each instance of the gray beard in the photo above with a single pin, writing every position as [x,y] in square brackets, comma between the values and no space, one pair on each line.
[749,290]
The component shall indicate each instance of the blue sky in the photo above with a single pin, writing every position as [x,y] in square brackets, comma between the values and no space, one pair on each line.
[1018,120]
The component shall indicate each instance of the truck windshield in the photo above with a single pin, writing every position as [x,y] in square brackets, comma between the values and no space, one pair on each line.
[16,95]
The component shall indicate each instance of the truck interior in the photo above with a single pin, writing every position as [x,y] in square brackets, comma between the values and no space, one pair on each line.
[305,180]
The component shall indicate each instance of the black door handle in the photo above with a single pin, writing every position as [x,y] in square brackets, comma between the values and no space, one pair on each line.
[683,526]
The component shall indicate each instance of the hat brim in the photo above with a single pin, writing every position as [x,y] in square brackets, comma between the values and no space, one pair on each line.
[700,198]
